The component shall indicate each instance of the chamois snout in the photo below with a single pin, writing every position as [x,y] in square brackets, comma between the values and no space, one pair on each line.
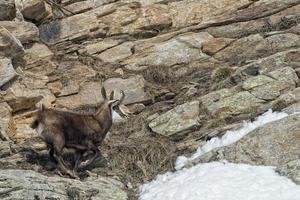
[115,102]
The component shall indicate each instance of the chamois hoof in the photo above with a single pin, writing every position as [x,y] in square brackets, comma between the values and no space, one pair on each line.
[83,165]
[50,166]
[59,173]
[73,174]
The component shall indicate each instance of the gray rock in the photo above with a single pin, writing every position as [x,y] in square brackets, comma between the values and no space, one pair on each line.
[292,108]
[273,85]
[291,170]
[7,10]
[117,53]
[24,31]
[99,46]
[89,95]
[180,50]
[30,185]
[200,12]
[178,121]
[286,99]
[7,71]
[239,103]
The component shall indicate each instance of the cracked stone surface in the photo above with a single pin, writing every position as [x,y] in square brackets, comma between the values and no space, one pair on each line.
[180,120]
[27,184]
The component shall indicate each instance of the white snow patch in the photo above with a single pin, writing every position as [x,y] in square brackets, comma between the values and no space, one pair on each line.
[116,117]
[221,181]
[231,137]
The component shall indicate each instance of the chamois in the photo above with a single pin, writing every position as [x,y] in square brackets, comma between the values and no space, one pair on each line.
[82,132]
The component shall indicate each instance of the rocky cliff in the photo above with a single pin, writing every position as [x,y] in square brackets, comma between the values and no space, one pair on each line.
[190,71]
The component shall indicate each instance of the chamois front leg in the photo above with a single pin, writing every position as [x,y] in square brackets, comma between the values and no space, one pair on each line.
[58,145]
[94,148]
[78,159]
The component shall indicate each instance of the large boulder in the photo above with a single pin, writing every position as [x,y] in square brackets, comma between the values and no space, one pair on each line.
[276,144]
[34,10]
[89,95]
[178,121]
[7,10]
[133,87]
[27,184]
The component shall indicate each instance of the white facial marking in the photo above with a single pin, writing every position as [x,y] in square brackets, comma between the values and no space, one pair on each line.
[40,129]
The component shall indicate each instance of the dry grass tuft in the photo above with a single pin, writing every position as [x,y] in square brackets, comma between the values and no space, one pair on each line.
[140,159]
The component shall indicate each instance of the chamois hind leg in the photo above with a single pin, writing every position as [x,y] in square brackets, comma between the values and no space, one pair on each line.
[94,148]
[58,149]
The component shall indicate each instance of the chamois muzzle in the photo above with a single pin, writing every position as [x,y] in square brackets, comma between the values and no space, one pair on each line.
[122,108]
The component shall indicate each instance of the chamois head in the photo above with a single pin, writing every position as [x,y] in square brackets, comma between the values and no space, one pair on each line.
[111,102]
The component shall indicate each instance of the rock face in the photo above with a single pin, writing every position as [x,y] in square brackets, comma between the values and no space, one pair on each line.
[27,184]
[256,94]
[274,144]
[178,121]
[190,70]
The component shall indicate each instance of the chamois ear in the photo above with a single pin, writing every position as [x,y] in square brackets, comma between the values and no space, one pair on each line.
[122,97]
[111,96]
[103,93]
